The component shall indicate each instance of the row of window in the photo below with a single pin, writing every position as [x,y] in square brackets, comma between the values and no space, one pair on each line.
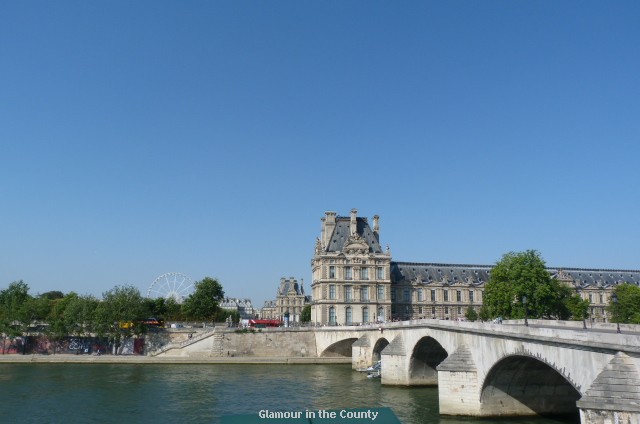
[362,273]
[348,292]
[348,313]
[447,295]
[366,317]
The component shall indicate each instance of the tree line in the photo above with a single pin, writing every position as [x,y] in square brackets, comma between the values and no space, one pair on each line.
[520,285]
[119,314]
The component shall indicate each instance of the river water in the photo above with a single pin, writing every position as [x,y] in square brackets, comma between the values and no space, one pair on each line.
[163,393]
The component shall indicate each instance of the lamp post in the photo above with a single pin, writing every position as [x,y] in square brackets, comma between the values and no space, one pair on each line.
[524,303]
[614,299]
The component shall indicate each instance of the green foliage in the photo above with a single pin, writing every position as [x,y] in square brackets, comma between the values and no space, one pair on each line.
[16,308]
[471,314]
[79,314]
[627,309]
[223,314]
[578,307]
[202,304]
[524,275]
[52,295]
[305,316]
[155,307]
[120,314]
[484,313]
[163,308]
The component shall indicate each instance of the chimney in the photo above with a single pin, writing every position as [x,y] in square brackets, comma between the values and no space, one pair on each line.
[328,225]
[353,226]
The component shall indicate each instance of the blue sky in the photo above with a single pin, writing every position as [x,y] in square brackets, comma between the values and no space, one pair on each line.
[209,138]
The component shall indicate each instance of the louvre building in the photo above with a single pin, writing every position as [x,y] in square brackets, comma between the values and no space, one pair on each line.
[356,281]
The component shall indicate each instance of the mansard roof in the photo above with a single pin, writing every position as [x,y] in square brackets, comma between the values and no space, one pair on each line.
[436,273]
[342,232]
[478,274]
[290,286]
[232,302]
[597,278]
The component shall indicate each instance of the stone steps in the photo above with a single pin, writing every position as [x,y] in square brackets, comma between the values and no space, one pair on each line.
[184,343]
[218,345]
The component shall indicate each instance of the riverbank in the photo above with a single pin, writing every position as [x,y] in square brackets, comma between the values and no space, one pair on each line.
[139,359]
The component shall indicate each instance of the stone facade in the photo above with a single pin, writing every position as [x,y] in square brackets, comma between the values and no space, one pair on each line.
[290,298]
[355,281]
[351,272]
[242,306]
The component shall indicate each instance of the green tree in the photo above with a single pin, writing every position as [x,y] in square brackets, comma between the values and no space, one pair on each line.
[71,315]
[79,314]
[202,304]
[155,307]
[627,309]
[524,275]
[484,314]
[57,329]
[53,295]
[14,310]
[578,307]
[173,310]
[120,314]
[223,314]
[471,314]
[305,315]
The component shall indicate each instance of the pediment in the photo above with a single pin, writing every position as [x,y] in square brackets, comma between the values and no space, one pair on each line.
[356,244]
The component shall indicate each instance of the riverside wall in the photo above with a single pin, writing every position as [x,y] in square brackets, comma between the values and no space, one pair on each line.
[233,343]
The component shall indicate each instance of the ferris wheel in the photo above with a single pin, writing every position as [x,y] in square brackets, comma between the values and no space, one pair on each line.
[171,285]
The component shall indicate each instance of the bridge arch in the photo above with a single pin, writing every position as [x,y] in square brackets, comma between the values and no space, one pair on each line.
[521,384]
[380,344]
[427,354]
[340,349]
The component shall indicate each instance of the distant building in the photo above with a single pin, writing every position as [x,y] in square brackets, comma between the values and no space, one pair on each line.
[355,281]
[268,311]
[290,298]
[242,306]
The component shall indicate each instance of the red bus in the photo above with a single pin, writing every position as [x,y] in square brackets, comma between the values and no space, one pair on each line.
[264,323]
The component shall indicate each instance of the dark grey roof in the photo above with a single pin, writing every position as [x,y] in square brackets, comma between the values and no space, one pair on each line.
[585,277]
[342,231]
[477,274]
[435,273]
[290,285]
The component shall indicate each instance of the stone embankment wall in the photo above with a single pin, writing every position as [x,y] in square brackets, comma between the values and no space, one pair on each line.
[269,343]
[227,342]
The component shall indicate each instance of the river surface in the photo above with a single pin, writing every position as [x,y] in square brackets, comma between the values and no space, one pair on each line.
[164,393]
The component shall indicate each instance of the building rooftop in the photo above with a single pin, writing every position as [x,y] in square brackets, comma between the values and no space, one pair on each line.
[477,274]
[342,231]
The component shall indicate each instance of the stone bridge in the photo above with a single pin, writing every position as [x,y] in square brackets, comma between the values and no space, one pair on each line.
[484,369]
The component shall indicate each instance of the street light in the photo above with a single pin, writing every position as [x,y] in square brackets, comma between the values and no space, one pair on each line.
[614,299]
[524,303]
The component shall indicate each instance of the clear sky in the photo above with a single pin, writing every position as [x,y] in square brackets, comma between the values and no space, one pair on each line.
[209,137]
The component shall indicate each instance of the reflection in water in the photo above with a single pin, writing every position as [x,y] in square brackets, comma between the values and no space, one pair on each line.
[203,393]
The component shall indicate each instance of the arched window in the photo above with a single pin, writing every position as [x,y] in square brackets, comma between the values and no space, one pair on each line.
[332,315]
[381,313]
[365,315]
[348,318]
